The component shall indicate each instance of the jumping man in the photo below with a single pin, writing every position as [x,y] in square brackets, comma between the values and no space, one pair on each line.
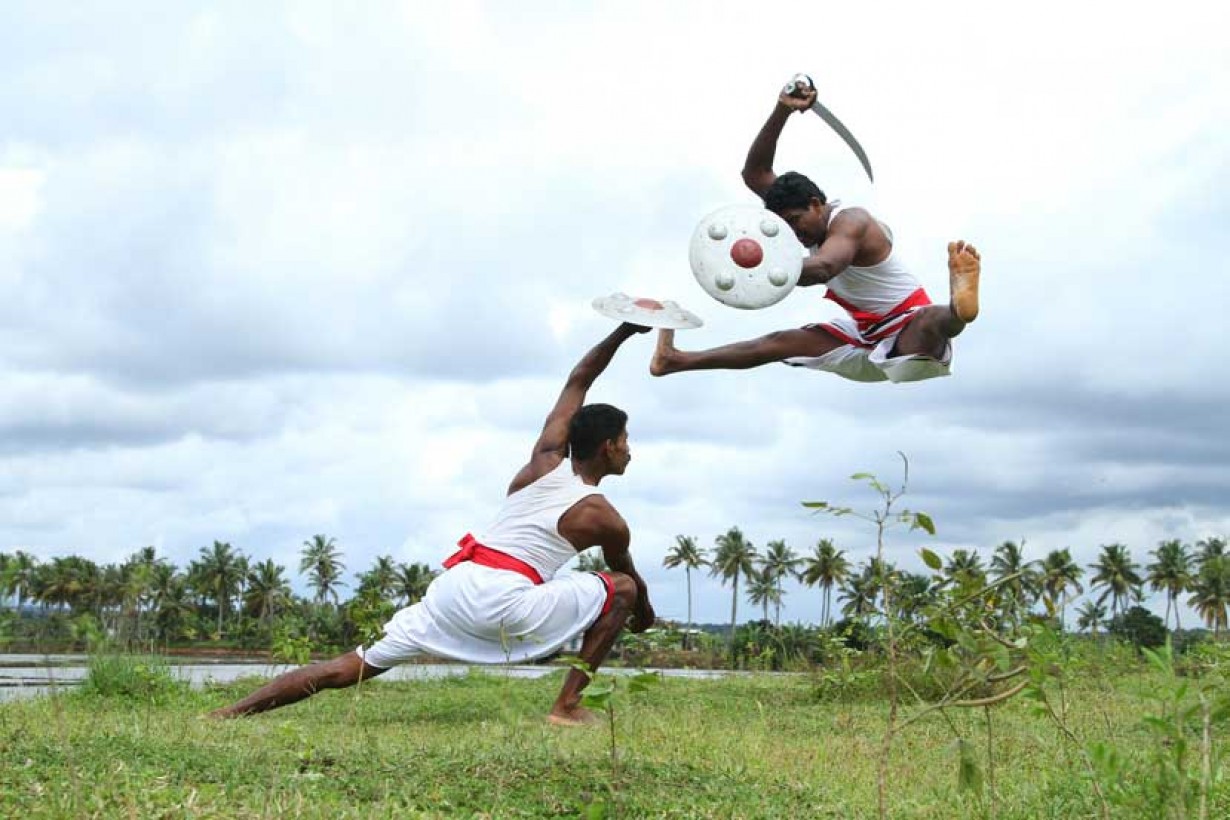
[891,331]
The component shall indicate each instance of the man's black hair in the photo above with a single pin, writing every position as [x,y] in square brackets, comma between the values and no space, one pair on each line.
[592,425]
[792,190]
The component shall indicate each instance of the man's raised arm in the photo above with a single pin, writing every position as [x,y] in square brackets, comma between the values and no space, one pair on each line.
[758,167]
[553,440]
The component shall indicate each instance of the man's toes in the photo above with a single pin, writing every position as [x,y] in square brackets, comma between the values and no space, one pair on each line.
[972,251]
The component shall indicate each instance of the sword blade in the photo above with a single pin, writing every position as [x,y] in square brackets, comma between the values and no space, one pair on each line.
[843,132]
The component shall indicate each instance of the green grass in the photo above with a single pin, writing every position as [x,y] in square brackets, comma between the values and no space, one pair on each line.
[478,747]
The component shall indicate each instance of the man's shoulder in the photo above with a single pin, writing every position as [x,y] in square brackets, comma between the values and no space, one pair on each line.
[594,521]
[596,504]
[857,223]
[851,215]
[596,513]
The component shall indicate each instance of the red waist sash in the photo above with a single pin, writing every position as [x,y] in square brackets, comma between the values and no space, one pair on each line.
[866,320]
[471,550]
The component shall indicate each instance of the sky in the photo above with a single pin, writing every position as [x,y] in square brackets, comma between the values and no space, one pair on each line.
[279,269]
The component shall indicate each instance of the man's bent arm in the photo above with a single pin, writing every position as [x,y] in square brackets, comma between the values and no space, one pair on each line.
[620,560]
[837,251]
[758,167]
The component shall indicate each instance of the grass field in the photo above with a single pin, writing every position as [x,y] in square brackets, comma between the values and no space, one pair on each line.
[747,747]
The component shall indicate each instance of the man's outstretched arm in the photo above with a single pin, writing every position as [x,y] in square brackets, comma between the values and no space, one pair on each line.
[553,440]
[758,167]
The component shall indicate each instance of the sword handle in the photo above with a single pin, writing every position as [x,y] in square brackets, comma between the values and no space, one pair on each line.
[798,84]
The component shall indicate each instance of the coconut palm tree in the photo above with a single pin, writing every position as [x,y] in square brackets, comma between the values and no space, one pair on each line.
[321,560]
[1018,594]
[412,582]
[779,561]
[137,575]
[1171,571]
[244,567]
[734,556]
[1116,573]
[267,591]
[1090,616]
[965,569]
[1209,548]
[859,591]
[220,571]
[20,574]
[5,590]
[1211,592]
[123,594]
[688,555]
[1058,575]
[380,580]
[762,590]
[825,567]
[67,581]
[169,600]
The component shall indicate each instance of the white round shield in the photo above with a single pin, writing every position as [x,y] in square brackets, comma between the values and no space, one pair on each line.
[745,256]
[646,312]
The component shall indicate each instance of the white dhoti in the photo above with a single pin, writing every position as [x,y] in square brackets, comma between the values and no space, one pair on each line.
[479,614]
[867,356]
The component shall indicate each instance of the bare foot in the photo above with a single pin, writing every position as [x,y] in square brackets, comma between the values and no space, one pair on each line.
[220,714]
[575,718]
[661,363]
[964,268]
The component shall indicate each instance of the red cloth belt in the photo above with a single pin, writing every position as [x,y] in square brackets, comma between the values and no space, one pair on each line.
[471,550]
[866,320]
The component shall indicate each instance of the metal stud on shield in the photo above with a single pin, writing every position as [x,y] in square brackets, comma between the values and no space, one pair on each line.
[745,256]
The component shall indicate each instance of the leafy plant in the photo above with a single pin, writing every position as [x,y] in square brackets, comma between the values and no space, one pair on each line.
[600,695]
[290,645]
[884,517]
[944,648]
[132,677]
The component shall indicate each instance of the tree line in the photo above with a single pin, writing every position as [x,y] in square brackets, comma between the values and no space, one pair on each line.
[1051,582]
[222,596]
[226,597]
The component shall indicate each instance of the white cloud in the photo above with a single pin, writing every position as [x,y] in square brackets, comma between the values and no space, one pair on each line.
[20,200]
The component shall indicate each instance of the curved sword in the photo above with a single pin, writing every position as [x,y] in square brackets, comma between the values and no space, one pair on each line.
[802,82]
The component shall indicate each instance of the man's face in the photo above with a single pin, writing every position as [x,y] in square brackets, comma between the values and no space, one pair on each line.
[619,453]
[807,223]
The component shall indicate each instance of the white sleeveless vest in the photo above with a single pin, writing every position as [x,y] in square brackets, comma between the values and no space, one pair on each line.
[527,525]
[873,292]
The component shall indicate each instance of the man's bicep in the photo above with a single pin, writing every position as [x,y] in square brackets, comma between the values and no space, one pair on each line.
[837,251]
[615,545]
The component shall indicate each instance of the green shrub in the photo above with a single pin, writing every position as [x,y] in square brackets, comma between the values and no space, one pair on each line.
[1208,657]
[131,676]
[1140,627]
